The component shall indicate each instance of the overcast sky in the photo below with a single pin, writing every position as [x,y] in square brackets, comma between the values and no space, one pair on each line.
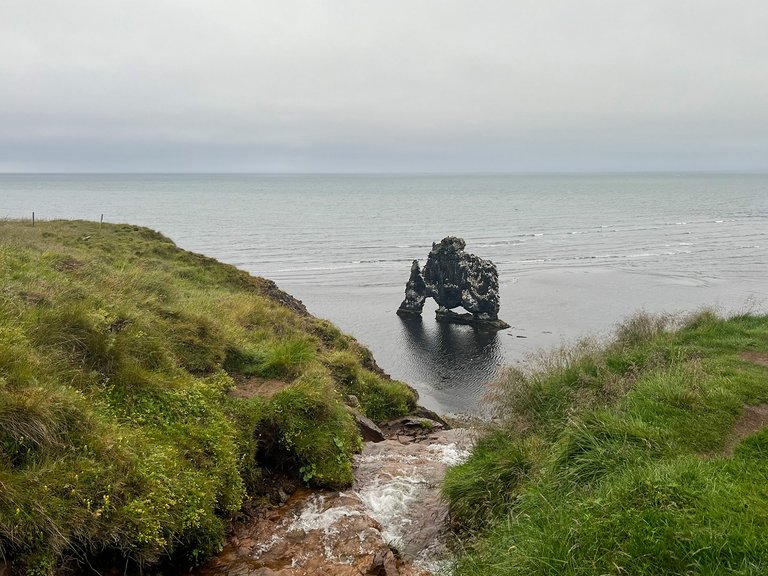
[383,86]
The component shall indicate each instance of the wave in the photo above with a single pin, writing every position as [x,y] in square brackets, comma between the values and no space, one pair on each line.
[576,258]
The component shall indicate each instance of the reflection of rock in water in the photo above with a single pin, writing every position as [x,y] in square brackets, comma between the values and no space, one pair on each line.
[394,503]
[459,360]
[445,341]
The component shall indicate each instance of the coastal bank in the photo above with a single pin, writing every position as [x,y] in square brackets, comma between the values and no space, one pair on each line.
[157,405]
[149,394]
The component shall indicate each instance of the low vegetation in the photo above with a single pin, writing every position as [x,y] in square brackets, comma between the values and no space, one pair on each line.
[130,420]
[615,459]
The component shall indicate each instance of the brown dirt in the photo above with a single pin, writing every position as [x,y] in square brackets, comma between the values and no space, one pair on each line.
[69,264]
[249,386]
[755,358]
[31,298]
[754,419]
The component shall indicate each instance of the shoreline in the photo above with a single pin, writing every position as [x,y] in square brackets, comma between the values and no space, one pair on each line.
[450,365]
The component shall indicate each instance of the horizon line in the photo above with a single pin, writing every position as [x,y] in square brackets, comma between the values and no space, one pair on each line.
[757,172]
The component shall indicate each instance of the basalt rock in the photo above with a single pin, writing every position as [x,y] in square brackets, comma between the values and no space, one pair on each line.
[455,278]
[367,427]
[415,292]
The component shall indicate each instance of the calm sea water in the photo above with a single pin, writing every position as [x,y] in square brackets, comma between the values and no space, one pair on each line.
[575,253]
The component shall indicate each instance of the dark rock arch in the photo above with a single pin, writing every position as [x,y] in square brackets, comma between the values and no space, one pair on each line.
[455,278]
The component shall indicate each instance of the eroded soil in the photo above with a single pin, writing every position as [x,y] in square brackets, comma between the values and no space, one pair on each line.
[754,418]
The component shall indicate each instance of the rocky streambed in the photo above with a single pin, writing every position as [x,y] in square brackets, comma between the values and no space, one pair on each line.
[392,522]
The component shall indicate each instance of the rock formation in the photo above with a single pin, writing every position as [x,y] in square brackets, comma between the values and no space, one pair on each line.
[415,292]
[455,278]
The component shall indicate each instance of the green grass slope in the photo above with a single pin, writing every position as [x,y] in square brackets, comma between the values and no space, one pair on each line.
[616,460]
[120,433]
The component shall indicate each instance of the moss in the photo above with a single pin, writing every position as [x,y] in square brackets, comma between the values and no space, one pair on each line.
[316,428]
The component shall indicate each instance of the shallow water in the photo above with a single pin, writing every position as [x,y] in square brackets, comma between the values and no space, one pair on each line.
[394,503]
[575,253]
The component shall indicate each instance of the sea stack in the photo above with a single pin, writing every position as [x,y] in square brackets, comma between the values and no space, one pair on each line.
[455,278]
[415,292]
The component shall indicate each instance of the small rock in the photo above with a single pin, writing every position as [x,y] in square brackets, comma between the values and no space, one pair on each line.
[390,564]
[352,401]
[415,292]
[368,429]
[429,414]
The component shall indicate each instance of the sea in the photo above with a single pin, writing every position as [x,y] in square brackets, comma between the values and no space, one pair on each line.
[576,253]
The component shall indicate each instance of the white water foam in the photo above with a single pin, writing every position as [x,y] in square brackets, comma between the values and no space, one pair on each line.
[449,454]
[388,502]
[314,517]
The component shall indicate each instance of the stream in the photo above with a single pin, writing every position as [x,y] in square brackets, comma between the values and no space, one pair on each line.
[392,522]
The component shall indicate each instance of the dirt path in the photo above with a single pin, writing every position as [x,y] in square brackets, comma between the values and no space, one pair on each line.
[755,358]
[754,418]
[249,386]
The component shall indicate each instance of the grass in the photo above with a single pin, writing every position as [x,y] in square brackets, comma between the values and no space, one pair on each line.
[378,396]
[315,426]
[118,433]
[609,459]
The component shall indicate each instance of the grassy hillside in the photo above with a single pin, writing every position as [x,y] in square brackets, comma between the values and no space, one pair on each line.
[642,457]
[144,390]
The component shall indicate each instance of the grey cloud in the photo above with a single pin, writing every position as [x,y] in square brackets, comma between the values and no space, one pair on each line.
[355,85]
